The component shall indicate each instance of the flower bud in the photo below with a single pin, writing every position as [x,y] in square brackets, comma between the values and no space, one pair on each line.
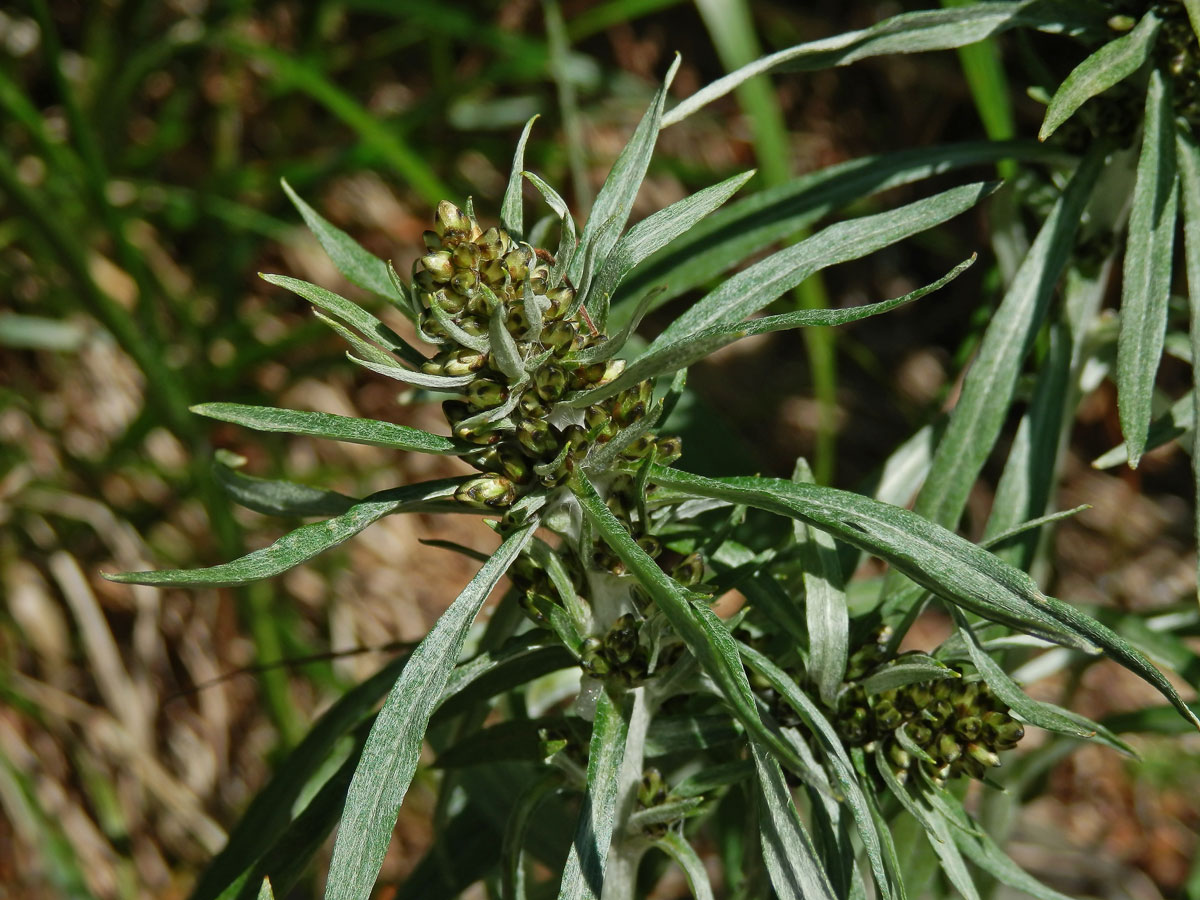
[560,299]
[689,571]
[639,447]
[937,712]
[476,326]
[487,491]
[667,449]
[432,241]
[463,361]
[483,393]
[982,755]
[464,281]
[550,382]
[493,243]
[948,749]
[493,272]
[921,734]
[887,716]
[622,638]
[450,218]
[537,436]
[517,263]
[650,545]
[455,411]
[438,266]
[899,756]
[466,255]
[591,657]
[577,437]
[531,406]
[587,376]
[1003,730]
[561,337]
[968,728]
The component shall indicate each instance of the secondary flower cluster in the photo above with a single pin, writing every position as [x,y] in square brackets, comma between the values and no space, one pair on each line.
[515,341]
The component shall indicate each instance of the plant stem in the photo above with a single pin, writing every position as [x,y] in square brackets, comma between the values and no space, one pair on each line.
[620,873]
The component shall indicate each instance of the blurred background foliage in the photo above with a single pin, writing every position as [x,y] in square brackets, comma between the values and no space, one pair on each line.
[141,147]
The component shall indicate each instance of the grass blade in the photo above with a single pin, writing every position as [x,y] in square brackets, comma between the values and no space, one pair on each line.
[988,387]
[308,541]
[1146,282]
[914,32]
[1112,63]
[1189,173]
[334,427]
[393,747]
[583,878]
[753,289]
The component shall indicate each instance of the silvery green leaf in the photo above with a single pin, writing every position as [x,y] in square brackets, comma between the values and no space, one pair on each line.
[264,890]
[659,230]
[664,813]
[360,266]
[792,862]
[1174,423]
[334,427]
[667,357]
[568,243]
[478,343]
[988,387]
[512,850]
[365,349]
[741,229]
[350,313]
[610,347]
[449,383]
[835,754]
[824,602]
[988,856]
[308,541]
[620,189]
[938,560]
[754,288]
[583,877]
[389,758]
[1189,172]
[269,813]
[714,777]
[1111,64]
[676,846]
[1043,715]
[941,838]
[504,349]
[913,32]
[675,733]
[999,540]
[1146,283]
[512,210]
[279,498]
[908,669]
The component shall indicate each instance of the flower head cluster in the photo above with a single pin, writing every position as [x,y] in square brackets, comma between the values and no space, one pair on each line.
[513,337]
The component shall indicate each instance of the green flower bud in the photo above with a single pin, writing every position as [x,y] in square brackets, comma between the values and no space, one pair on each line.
[517,322]
[433,367]
[937,712]
[463,361]
[493,243]
[948,749]
[887,717]
[449,219]
[577,437]
[622,638]
[438,266]
[639,447]
[560,299]
[493,272]
[651,545]
[612,369]
[592,658]
[517,263]
[918,696]
[899,756]
[537,436]
[921,734]
[432,241]
[982,755]
[587,376]
[424,280]
[455,411]
[968,728]
[550,382]
[531,406]
[689,571]
[476,326]
[487,491]
[1003,730]
[667,449]
[561,337]
[483,393]
[653,790]
[599,423]
[466,256]
[464,281]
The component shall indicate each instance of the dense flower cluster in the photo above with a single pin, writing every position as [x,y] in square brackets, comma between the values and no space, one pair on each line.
[515,341]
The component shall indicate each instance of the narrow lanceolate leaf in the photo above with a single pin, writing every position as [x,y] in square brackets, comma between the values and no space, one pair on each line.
[938,560]
[512,850]
[792,861]
[676,846]
[988,856]
[652,234]
[333,427]
[915,32]
[279,498]
[583,878]
[704,634]
[360,266]
[753,289]
[991,380]
[512,209]
[1177,421]
[908,669]
[1111,64]
[824,603]
[350,313]
[742,228]
[1189,173]
[1146,282]
[665,358]
[270,811]
[304,543]
[838,761]
[393,747]
[616,197]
